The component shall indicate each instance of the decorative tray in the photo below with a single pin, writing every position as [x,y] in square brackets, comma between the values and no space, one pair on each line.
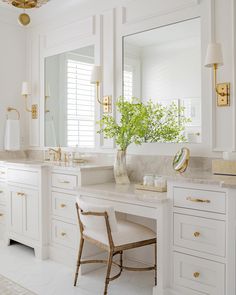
[79,161]
[150,188]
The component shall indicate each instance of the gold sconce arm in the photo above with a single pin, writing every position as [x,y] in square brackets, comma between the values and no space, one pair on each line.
[222,90]
[33,110]
[26,106]
[106,101]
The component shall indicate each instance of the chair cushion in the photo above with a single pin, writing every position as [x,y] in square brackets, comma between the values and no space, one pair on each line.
[128,232]
[97,222]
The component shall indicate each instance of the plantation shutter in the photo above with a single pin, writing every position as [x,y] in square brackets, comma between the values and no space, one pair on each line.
[128,82]
[80,104]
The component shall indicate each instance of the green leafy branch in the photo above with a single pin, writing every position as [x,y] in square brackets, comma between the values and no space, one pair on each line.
[144,122]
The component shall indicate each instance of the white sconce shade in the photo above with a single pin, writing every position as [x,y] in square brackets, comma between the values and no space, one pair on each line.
[96,76]
[214,55]
[25,88]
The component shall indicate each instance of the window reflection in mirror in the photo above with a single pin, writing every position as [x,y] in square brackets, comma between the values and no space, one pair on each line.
[164,65]
[70,99]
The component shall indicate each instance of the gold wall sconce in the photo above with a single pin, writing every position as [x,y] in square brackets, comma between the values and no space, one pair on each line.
[96,78]
[214,59]
[25,92]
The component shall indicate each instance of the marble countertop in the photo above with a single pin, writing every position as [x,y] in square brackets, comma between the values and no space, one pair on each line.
[224,181]
[200,177]
[55,165]
[124,193]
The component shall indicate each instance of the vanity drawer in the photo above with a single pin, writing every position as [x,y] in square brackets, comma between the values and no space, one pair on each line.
[63,205]
[65,234]
[200,199]
[2,215]
[200,234]
[200,275]
[25,177]
[64,181]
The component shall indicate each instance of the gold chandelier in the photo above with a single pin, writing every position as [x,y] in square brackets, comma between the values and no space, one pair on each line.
[24,18]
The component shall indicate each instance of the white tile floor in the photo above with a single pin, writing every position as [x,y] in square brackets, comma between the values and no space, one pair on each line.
[49,278]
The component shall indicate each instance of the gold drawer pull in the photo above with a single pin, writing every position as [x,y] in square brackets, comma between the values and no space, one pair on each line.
[2,172]
[1,214]
[196,274]
[20,194]
[63,205]
[197,200]
[64,181]
[63,234]
[196,234]
[1,192]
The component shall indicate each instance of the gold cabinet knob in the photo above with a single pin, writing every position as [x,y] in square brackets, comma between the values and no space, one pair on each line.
[1,192]
[196,234]
[63,234]
[1,214]
[196,274]
[20,194]
[63,205]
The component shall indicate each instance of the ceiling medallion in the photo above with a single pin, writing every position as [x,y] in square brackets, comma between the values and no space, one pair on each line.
[24,18]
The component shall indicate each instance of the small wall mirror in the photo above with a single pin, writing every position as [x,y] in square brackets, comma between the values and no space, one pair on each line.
[164,65]
[181,160]
[70,99]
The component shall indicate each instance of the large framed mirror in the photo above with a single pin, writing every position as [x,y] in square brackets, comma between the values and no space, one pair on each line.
[164,65]
[69,119]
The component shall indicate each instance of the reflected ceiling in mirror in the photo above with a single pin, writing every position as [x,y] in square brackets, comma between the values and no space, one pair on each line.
[70,99]
[164,65]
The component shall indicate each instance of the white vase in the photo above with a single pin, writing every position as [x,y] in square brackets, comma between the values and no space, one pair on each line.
[120,169]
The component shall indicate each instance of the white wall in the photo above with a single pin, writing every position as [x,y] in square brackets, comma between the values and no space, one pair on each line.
[100,23]
[12,71]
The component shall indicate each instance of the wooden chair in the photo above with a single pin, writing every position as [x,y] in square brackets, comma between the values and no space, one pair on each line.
[98,225]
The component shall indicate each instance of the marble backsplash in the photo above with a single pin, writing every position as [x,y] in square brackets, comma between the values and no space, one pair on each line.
[5,155]
[139,165]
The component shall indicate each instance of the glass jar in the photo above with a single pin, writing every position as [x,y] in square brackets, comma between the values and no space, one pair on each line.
[148,180]
[160,181]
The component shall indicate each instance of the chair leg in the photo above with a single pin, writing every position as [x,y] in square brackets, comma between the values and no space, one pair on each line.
[79,260]
[121,261]
[109,264]
[155,254]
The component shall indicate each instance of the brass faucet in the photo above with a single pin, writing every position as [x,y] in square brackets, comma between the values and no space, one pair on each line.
[57,152]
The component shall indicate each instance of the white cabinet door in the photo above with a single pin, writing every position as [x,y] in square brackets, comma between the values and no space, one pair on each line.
[15,210]
[24,212]
[30,214]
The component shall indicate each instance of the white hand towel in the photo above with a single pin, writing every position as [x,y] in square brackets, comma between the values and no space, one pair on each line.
[12,135]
